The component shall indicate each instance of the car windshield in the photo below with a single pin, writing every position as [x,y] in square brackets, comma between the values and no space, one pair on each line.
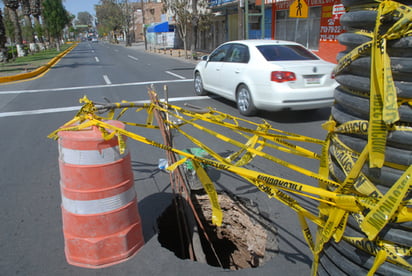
[285,52]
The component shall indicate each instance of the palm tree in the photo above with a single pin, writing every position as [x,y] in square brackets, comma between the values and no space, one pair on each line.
[28,28]
[3,40]
[35,9]
[13,5]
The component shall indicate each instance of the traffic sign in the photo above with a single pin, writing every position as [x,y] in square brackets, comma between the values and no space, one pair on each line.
[299,9]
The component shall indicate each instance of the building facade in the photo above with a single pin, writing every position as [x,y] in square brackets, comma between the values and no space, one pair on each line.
[272,19]
[254,19]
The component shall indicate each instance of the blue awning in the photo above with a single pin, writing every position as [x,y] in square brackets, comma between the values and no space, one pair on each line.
[160,28]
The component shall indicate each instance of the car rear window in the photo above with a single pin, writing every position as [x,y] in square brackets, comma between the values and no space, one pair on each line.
[285,52]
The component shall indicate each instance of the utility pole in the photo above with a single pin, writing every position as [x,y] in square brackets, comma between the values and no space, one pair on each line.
[144,25]
[127,22]
[240,18]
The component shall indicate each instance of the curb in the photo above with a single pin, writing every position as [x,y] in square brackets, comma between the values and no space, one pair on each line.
[39,70]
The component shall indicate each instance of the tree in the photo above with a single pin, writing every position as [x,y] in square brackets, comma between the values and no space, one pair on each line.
[9,27]
[55,19]
[109,17]
[35,9]
[188,14]
[28,27]
[3,40]
[84,18]
[13,5]
[181,11]
[126,20]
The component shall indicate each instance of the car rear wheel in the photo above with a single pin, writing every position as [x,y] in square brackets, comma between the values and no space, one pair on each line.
[199,90]
[244,101]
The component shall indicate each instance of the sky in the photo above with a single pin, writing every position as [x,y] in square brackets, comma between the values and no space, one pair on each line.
[76,6]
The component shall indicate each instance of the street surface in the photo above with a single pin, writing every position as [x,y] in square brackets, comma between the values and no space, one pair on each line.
[31,237]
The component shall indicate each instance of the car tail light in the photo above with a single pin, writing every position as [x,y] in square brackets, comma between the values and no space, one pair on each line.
[332,76]
[282,76]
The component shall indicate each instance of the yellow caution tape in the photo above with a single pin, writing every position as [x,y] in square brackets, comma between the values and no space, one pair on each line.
[377,131]
[336,215]
[394,253]
[355,195]
[383,97]
[382,213]
[355,180]
[379,260]
[209,187]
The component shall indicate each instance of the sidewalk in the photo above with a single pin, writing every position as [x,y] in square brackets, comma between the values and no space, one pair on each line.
[174,53]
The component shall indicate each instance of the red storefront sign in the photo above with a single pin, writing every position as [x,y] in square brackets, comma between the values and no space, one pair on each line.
[332,10]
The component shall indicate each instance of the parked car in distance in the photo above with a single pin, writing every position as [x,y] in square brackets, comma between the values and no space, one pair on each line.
[268,75]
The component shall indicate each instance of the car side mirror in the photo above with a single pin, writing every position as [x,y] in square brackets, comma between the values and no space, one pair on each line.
[205,58]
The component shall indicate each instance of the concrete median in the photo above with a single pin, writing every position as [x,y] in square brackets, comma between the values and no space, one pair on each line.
[38,71]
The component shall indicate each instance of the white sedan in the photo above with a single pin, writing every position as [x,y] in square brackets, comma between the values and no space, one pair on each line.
[266,75]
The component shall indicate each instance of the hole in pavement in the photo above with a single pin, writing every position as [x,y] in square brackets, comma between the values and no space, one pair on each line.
[246,239]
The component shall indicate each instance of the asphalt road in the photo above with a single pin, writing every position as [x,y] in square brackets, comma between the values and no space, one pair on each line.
[31,237]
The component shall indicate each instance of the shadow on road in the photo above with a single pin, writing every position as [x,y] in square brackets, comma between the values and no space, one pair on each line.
[285,116]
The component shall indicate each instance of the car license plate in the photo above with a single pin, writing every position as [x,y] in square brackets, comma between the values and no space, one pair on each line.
[312,81]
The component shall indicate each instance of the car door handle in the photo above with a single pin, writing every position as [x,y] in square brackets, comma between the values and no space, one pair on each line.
[237,71]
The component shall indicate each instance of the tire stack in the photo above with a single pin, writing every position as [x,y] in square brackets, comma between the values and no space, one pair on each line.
[351,104]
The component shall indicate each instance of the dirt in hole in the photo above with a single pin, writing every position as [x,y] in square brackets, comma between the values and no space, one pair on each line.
[245,239]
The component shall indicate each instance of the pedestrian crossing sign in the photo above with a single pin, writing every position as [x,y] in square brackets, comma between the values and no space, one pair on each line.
[299,9]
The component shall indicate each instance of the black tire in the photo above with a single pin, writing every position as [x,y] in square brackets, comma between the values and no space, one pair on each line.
[352,40]
[352,100]
[401,68]
[340,262]
[354,3]
[350,3]
[391,232]
[331,264]
[349,257]
[360,105]
[321,270]
[382,178]
[244,101]
[396,48]
[400,47]
[398,139]
[392,155]
[362,84]
[363,19]
[198,83]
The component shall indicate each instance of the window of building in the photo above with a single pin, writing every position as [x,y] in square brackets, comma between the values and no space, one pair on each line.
[305,31]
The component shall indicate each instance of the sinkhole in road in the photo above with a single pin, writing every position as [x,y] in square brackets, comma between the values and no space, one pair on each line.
[246,239]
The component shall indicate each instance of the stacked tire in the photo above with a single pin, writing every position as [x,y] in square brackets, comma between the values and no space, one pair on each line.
[351,104]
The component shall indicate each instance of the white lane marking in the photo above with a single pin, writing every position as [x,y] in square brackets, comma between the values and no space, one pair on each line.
[39,111]
[97,59]
[175,75]
[106,79]
[76,108]
[132,57]
[93,86]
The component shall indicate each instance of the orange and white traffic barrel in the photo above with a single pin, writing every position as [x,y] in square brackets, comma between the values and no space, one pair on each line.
[101,221]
